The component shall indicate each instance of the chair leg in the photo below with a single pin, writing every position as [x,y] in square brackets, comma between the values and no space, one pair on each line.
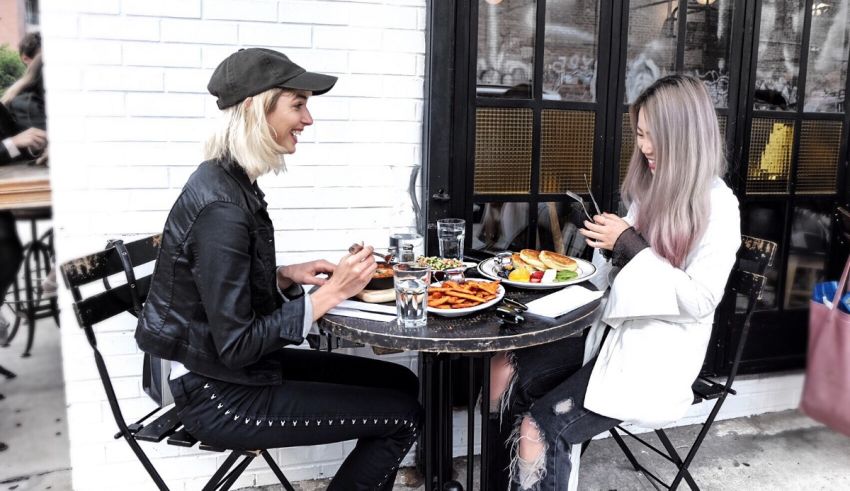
[277,472]
[235,473]
[15,327]
[683,470]
[625,449]
[6,372]
[216,478]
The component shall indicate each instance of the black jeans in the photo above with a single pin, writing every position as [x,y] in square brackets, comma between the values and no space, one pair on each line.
[550,384]
[325,398]
[11,252]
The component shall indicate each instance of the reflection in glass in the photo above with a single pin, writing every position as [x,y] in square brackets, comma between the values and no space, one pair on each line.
[499,227]
[807,254]
[569,53]
[707,39]
[827,63]
[505,48]
[765,221]
[769,168]
[778,65]
[557,228]
[651,52]
[502,151]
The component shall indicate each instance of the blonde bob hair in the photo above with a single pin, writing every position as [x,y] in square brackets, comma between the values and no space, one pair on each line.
[244,135]
[673,204]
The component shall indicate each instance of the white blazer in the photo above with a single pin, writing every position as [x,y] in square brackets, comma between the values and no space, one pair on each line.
[661,319]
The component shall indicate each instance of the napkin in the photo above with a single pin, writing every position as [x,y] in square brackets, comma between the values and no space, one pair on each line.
[359,314]
[563,301]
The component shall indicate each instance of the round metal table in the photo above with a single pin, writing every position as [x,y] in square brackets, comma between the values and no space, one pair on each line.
[476,337]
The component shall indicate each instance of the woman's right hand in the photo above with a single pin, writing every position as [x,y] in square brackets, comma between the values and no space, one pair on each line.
[350,277]
[353,272]
[34,139]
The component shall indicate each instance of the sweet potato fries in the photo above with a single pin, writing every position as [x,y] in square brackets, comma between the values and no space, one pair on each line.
[453,295]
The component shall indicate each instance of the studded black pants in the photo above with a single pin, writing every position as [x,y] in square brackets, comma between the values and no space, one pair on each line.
[326,398]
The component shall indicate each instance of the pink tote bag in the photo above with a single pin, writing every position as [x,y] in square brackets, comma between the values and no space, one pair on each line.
[826,392]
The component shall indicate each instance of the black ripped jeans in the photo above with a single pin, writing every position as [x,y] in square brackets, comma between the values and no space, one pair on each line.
[550,384]
[325,398]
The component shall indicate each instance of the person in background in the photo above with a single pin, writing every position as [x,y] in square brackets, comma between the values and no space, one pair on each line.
[224,314]
[671,257]
[23,124]
[29,47]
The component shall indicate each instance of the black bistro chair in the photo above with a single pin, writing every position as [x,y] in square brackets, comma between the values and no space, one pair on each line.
[745,283]
[162,423]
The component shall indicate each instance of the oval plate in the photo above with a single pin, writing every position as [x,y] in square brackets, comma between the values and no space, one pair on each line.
[586,269]
[469,310]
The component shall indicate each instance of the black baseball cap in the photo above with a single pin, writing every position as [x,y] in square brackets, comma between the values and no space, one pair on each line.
[251,71]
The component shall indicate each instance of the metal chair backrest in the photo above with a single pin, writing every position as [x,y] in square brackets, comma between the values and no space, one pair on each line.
[80,273]
[747,279]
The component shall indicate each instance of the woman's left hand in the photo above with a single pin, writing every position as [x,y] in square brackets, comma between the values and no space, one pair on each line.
[304,273]
[603,234]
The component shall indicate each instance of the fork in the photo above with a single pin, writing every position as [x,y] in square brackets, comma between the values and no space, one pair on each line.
[595,205]
[580,201]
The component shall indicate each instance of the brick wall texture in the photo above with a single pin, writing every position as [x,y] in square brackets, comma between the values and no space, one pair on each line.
[128,110]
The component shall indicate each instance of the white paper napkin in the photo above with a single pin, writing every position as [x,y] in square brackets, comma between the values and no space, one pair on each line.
[359,314]
[563,301]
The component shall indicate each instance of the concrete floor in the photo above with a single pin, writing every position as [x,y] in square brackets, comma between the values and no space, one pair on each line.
[778,451]
[32,416]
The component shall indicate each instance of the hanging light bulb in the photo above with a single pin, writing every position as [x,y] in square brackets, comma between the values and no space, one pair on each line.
[493,2]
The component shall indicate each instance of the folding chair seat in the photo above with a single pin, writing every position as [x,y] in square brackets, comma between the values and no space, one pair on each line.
[746,281]
[162,423]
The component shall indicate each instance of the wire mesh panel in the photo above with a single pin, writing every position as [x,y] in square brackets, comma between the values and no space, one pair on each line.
[627,146]
[771,143]
[566,150]
[817,164]
[503,150]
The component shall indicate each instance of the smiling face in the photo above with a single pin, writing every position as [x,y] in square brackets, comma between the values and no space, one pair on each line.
[289,116]
[644,143]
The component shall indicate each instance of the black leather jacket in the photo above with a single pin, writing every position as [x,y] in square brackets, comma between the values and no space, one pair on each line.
[213,303]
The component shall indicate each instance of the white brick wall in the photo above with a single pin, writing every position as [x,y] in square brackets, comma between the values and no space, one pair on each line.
[128,109]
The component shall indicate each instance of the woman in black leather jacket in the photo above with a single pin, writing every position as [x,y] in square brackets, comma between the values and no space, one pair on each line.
[223,313]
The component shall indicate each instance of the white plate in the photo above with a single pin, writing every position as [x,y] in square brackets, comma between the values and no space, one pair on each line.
[469,310]
[585,270]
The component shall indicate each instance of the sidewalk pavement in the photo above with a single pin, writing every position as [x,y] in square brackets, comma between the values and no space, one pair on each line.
[776,451]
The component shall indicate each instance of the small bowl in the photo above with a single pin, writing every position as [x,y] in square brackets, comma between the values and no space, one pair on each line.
[382,279]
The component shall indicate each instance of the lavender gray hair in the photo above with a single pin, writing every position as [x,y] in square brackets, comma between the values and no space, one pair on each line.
[673,205]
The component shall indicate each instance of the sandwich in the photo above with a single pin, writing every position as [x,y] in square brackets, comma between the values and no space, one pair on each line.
[532,257]
[558,262]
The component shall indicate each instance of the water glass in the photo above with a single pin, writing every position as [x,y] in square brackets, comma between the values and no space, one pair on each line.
[411,293]
[451,233]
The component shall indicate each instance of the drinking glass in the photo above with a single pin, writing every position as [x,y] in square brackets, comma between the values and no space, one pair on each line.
[451,233]
[411,293]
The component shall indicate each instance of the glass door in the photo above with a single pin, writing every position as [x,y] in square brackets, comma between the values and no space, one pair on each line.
[795,141]
[537,129]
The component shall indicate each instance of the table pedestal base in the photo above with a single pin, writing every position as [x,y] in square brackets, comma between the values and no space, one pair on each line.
[435,442]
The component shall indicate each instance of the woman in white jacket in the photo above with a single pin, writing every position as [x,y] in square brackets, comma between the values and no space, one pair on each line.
[670,258]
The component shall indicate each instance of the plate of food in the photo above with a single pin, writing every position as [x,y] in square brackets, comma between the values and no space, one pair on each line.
[442,263]
[453,299]
[533,269]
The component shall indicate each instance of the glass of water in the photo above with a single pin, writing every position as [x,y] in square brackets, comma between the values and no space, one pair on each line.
[451,233]
[411,293]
